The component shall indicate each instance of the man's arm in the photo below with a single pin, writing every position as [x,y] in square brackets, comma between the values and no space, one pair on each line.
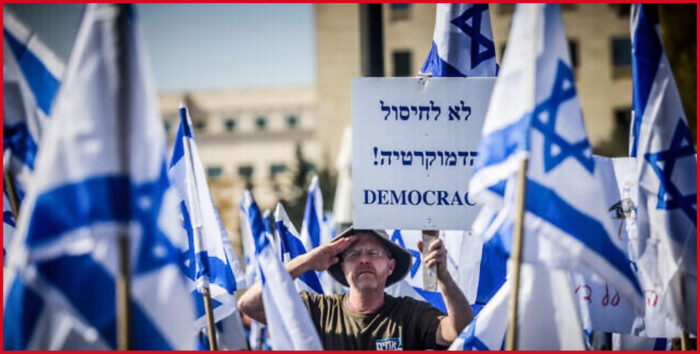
[459,313]
[318,259]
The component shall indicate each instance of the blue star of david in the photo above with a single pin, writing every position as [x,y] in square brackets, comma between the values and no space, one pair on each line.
[396,237]
[474,32]
[681,146]
[549,108]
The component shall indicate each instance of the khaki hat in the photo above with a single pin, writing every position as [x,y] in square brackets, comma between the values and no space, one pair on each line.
[398,253]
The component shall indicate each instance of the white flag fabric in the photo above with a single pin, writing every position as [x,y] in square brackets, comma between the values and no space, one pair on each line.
[602,308]
[101,173]
[31,78]
[534,113]
[667,172]
[547,315]
[462,42]
[292,247]
[209,257]
[288,320]
[630,342]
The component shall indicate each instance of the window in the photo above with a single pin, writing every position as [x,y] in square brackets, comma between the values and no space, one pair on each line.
[399,11]
[402,63]
[276,169]
[621,57]
[230,124]
[573,50]
[214,171]
[261,123]
[506,9]
[245,171]
[200,125]
[623,117]
[292,121]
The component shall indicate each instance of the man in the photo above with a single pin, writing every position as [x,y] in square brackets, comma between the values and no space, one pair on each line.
[366,318]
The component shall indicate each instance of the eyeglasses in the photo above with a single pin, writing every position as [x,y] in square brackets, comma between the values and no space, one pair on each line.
[355,253]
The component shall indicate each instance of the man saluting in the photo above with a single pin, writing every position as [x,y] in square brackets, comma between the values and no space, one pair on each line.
[366,318]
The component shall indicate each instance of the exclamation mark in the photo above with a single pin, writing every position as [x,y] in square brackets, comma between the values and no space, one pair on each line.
[375,156]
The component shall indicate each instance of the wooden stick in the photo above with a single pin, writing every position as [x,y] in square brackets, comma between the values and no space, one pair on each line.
[123,291]
[123,105]
[429,273]
[213,345]
[12,194]
[516,255]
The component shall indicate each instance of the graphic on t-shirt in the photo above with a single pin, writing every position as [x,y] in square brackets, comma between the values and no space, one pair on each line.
[394,343]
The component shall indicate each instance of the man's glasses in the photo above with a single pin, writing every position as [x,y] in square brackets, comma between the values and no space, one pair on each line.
[356,253]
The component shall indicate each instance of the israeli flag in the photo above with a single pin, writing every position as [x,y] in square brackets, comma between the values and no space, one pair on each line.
[487,331]
[534,113]
[31,77]
[667,172]
[210,259]
[462,42]
[292,247]
[100,174]
[288,320]
[247,238]
[315,231]
[463,36]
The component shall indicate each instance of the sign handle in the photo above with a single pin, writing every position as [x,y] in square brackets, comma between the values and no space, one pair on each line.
[429,273]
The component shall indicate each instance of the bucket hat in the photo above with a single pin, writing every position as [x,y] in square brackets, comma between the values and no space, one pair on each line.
[399,254]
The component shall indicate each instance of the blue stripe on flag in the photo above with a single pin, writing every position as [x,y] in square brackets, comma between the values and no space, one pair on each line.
[21,313]
[98,199]
[312,219]
[257,228]
[96,303]
[178,147]
[471,341]
[19,140]
[499,145]
[646,55]
[40,80]
[549,206]
[187,131]
[432,297]
[492,269]
[435,66]
[660,344]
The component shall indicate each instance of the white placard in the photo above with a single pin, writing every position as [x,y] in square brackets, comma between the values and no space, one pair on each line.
[415,142]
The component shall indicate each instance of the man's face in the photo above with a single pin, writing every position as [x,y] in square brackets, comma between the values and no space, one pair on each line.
[367,263]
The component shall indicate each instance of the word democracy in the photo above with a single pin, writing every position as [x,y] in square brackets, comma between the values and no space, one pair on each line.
[415,197]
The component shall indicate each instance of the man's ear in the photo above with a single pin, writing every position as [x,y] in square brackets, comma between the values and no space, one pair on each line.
[392,265]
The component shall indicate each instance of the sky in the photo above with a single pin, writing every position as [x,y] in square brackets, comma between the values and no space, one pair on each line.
[203,46]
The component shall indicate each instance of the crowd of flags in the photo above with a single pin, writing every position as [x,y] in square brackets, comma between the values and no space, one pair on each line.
[85,152]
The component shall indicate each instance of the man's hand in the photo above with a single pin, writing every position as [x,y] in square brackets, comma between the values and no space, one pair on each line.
[437,256]
[459,313]
[322,257]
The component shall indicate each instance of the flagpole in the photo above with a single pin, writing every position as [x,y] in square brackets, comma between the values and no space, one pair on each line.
[516,255]
[210,319]
[124,340]
[12,194]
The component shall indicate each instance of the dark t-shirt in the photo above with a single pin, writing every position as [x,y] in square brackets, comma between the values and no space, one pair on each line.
[400,324]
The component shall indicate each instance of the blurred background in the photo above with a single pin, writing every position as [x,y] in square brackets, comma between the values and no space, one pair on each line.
[268,85]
